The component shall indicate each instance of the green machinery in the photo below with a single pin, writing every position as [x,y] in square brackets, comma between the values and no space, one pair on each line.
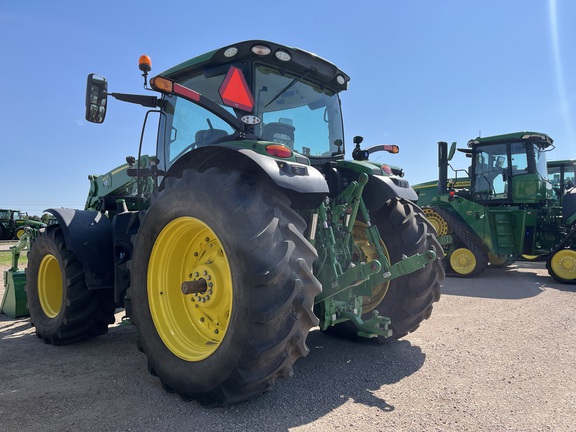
[14,298]
[13,224]
[504,206]
[561,177]
[245,230]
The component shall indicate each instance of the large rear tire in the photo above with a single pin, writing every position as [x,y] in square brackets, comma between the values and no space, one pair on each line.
[238,245]
[410,298]
[61,307]
[406,300]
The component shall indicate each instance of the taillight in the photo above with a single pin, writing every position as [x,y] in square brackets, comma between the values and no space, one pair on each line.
[278,150]
[386,169]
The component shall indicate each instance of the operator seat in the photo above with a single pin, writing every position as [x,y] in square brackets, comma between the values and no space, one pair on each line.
[208,136]
[281,132]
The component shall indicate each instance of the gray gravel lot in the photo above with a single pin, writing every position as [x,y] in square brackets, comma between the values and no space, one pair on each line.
[497,354]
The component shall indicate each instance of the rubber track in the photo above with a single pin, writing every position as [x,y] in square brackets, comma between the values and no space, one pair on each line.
[468,238]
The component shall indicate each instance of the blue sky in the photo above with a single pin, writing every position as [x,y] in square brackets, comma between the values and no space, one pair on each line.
[421,71]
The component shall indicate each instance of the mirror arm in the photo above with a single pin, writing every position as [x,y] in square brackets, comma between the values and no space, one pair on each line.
[145,101]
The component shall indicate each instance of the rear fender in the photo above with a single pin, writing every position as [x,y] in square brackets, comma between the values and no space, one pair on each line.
[381,188]
[303,184]
[88,235]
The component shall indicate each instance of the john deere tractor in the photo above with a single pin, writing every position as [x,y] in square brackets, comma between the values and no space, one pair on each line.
[503,206]
[246,229]
[13,224]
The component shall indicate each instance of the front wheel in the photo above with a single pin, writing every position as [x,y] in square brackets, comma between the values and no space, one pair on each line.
[222,290]
[562,266]
[61,307]
[19,232]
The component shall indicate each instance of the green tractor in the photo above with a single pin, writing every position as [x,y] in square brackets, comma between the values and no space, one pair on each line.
[561,177]
[245,230]
[503,207]
[13,224]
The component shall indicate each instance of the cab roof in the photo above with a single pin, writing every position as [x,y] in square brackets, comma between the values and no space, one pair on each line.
[544,139]
[297,61]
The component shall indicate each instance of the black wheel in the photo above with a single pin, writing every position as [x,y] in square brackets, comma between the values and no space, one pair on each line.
[61,307]
[407,300]
[236,248]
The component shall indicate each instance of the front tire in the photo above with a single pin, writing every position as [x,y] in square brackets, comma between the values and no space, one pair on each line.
[61,307]
[562,266]
[239,245]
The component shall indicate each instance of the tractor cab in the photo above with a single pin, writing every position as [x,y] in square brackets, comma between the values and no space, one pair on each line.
[250,106]
[561,177]
[283,100]
[510,169]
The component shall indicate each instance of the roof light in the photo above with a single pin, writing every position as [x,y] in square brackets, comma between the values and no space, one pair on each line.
[261,50]
[341,80]
[278,150]
[282,55]
[231,52]
[235,92]
[145,64]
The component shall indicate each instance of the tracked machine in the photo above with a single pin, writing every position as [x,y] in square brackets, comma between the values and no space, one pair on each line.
[505,206]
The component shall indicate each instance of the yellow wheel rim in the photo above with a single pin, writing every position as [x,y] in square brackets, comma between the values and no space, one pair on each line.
[437,221]
[367,252]
[50,291]
[530,257]
[20,232]
[463,261]
[192,326]
[563,264]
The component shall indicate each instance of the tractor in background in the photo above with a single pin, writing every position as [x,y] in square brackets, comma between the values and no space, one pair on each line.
[13,224]
[246,229]
[503,206]
[561,177]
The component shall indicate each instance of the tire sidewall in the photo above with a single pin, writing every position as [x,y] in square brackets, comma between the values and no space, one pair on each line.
[44,245]
[169,205]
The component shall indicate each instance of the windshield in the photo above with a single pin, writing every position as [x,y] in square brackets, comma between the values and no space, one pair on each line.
[295,112]
[496,165]
[490,167]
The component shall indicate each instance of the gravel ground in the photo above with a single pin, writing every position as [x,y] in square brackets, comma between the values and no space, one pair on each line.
[497,354]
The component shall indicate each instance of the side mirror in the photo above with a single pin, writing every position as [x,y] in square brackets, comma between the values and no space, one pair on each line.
[96,98]
[452,150]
